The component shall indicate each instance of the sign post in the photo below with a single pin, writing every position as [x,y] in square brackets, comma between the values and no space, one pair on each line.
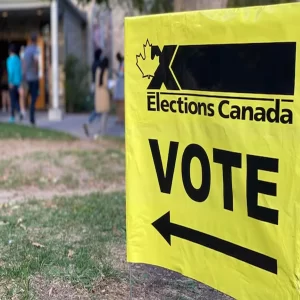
[212,126]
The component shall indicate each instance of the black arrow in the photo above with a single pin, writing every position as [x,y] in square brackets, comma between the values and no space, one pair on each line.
[164,226]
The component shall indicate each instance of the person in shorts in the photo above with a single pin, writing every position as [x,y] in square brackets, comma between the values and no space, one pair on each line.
[31,71]
[23,87]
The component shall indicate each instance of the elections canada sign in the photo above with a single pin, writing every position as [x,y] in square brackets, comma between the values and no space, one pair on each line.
[211,151]
[229,68]
[256,71]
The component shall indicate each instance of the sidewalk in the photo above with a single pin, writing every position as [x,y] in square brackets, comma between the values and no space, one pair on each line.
[72,124]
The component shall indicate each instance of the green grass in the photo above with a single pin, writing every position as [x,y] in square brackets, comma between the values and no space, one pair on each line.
[16,131]
[86,225]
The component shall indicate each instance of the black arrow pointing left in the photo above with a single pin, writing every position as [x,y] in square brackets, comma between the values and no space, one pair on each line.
[164,226]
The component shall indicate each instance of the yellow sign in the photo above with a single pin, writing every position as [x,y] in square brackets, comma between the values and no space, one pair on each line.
[212,133]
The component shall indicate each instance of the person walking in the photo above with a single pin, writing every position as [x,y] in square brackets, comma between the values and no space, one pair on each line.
[102,97]
[31,71]
[14,71]
[94,114]
[23,86]
[119,90]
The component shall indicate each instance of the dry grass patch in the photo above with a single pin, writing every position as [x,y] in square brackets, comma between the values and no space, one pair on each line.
[63,166]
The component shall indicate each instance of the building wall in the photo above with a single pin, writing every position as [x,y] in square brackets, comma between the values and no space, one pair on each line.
[101,30]
[107,27]
[89,9]
[118,29]
[74,36]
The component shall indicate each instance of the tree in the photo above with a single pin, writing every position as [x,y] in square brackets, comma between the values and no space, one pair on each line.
[240,3]
[143,6]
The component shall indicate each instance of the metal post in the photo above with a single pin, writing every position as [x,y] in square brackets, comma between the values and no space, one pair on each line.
[55,112]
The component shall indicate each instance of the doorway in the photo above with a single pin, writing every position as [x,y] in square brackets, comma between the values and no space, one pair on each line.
[4,47]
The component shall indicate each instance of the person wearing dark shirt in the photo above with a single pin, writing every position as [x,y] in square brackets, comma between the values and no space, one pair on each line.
[96,63]
[119,90]
[95,66]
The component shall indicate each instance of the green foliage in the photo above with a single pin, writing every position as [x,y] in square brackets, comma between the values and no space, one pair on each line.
[159,6]
[139,4]
[242,3]
[77,85]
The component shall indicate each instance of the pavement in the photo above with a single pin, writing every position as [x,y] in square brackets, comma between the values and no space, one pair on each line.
[72,124]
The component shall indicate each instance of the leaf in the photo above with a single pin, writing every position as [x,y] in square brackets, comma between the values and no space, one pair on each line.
[20,220]
[3,223]
[145,63]
[70,253]
[37,245]
[23,226]
[50,292]
[115,231]
[50,204]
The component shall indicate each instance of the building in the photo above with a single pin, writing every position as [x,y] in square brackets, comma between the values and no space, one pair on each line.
[62,29]
[66,28]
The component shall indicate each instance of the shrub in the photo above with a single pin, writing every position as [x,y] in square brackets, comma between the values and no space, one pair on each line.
[77,85]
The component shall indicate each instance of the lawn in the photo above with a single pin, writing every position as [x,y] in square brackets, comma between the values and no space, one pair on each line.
[62,223]
[74,248]
[68,240]
[16,131]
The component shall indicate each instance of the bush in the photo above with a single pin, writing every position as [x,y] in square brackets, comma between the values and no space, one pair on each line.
[78,98]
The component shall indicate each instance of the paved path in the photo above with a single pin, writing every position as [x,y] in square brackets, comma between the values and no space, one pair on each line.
[72,123]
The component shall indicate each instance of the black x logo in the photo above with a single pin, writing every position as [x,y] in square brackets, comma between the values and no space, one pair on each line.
[163,74]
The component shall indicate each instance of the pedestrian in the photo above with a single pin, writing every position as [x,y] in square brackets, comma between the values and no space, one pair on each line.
[23,86]
[4,88]
[14,71]
[102,96]
[94,114]
[119,90]
[31,71]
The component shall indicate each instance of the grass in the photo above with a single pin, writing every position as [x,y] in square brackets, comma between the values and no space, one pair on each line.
[74,234]
[74,247]
[109,164]
[78,242]
[16,131]
[71,168]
